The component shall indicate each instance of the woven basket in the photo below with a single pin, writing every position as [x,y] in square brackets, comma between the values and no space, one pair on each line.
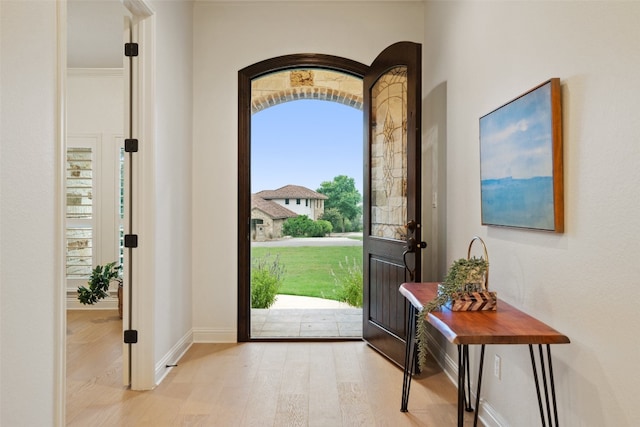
[479,300]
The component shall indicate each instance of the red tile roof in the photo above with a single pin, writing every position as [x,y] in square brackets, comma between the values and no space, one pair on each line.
[291,192]
[274,210]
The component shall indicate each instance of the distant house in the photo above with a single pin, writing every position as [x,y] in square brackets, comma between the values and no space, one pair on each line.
[271,208]
[299,199]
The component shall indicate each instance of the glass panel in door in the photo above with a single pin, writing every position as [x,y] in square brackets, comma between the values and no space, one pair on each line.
[389,155]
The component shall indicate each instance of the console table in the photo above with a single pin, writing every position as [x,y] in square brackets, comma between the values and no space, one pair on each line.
[506,325]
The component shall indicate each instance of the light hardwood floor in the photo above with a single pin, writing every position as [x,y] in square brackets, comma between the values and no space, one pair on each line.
[249,384]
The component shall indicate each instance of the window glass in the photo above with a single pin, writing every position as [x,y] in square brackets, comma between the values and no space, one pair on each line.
[79,233]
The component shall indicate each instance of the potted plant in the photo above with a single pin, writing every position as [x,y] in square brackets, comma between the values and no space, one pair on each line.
[99,282]
[465,275]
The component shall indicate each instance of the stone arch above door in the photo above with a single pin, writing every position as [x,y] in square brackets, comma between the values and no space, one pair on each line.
[311,83]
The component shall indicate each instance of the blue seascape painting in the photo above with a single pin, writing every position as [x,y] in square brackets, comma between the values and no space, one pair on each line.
[516,163]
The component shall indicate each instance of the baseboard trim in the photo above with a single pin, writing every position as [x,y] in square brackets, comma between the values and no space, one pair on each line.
[164,365]
[210,335]
[488,416]
[110,303]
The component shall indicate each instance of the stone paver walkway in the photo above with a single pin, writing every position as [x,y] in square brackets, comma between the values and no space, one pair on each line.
[292,317]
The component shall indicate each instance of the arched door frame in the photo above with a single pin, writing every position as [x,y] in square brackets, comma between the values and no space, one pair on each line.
[245,76]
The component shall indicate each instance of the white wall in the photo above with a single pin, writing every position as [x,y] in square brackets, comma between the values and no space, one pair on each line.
[95,101]
[301,209]
[583,282]
[173,181]
[227,38]
[95,33]
[30,215]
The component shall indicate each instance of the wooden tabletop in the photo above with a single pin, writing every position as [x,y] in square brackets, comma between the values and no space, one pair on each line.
[506,325]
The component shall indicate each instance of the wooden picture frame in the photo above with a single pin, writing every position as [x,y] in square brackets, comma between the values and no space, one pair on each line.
[521,161]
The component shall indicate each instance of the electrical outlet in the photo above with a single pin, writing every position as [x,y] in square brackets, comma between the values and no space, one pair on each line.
[497,367]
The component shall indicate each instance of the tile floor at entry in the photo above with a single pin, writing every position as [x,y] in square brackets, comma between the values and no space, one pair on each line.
[292,317]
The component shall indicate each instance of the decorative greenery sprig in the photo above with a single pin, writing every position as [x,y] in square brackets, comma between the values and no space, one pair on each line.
[101,278]
[465,275]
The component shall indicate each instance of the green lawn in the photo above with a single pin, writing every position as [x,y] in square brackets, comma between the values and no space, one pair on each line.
[308,268]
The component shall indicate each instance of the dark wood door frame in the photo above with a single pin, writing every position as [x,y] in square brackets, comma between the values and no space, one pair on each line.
[245,76]
[385,311]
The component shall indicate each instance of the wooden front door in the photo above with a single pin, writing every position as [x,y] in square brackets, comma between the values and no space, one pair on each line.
[392,99]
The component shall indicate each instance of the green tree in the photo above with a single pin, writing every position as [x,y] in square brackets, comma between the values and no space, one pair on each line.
[343,196]
[334,216]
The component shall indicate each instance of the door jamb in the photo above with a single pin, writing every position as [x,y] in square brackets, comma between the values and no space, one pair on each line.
[245,76]
[60,292]
[142,302]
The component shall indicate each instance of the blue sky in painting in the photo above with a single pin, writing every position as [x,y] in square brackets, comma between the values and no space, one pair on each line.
[516,139]
[305,142]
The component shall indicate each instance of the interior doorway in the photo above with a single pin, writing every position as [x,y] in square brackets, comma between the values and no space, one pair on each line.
[88,35]
[290,80]
[96,102]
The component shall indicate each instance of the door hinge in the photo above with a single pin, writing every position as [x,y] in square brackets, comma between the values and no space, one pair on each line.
[131,49]
[131,145]
[130,336]
[131,241]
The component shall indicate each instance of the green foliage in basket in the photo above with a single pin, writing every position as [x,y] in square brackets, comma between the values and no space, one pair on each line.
[465,275]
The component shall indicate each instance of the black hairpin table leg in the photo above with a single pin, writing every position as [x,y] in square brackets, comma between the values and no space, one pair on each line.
[408,358]
[548,383]
[465,361]
[475,416]
[461,393]
[464,395]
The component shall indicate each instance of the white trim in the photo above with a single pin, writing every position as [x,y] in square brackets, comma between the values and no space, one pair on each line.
[109,303]
[439,353]
[488,416]
[106,304]
[126,80]
[138,8]
[144,205]
[60,313]
[163,367]
[95,72]
[214,335]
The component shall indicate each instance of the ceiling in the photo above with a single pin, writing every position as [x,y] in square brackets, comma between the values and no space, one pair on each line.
[95,33]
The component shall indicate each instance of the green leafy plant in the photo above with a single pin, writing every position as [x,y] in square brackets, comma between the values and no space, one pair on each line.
[319,228]
[334,216]
[465,275]
[266,278]
[349,282]
[296,227]
[101,278]
[302,225]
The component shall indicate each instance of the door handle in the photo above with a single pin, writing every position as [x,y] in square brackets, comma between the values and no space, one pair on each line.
[412,246]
